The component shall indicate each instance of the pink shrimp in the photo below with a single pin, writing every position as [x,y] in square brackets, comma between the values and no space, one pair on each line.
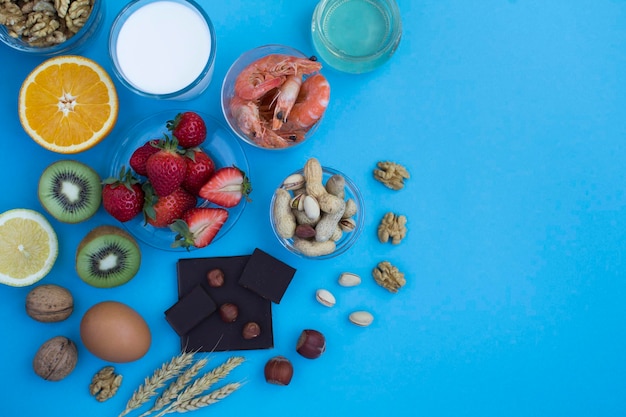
[285,99]
[270,72]
[311,103]
[248,118]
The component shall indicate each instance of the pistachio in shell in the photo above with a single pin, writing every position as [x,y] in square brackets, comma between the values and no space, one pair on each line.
[55,359]
[49,303]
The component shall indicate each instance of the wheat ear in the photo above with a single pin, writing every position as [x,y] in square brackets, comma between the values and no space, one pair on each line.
[211,398]
[172,391]
[203,383]
[158,379]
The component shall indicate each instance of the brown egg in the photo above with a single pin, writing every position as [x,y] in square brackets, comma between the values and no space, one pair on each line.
[115,332]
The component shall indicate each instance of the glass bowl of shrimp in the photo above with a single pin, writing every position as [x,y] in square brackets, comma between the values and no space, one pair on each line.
[274,97]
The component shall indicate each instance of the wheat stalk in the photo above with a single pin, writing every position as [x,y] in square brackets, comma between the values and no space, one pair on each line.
[172,391]
[202,384]
[158,379]
[211,398]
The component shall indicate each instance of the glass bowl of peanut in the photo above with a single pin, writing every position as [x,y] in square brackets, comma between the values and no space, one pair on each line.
[317,212]
[49,28]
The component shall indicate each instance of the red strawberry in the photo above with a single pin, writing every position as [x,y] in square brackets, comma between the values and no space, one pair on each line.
[166,168]
[198,226]
[200,168]
[188,128]
[162,211]
[226,187]
[122,197]
[140,156]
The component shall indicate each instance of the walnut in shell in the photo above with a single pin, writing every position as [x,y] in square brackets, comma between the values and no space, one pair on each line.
[49,303]
[55,359]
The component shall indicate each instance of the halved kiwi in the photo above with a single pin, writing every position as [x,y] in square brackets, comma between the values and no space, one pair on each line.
[70,191]
[107,257]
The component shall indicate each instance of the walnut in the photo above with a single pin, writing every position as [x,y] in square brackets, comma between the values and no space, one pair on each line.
[388,277]
[392,226]
[62,6]
[49,303]
[55,359]
[391,174]
[105,383]
[77,14]
[11,14]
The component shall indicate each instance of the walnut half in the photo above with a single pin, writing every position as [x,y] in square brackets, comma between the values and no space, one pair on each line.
[392,226]
[388,276]
[391,174]
[105,383]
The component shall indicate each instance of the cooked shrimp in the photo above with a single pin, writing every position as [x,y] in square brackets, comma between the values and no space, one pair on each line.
[270,72]
[285,99]
[247,116]
[311,103]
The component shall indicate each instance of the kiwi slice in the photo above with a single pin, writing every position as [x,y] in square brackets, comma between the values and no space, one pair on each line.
[70,191]
[107,257]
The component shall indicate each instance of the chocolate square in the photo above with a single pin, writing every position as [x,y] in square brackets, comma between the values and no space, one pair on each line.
[190,310]
[267,276]
[212,334]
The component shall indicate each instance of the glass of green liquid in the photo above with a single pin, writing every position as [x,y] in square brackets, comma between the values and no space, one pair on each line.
[356,36]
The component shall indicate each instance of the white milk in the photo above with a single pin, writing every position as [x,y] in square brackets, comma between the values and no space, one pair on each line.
[163,47]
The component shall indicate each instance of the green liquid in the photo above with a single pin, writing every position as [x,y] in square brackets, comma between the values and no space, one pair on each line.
[356,27]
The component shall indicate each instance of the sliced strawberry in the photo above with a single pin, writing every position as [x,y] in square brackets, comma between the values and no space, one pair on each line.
[200,167]
[123,197]
[189,128]
[162,211]
[198,226]
[226,187]
[139,158]
[166,169]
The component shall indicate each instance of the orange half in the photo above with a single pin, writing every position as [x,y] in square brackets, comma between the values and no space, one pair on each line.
[68,104]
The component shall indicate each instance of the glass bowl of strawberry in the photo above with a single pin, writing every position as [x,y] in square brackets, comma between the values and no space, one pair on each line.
[285,108]
[317,212]
[192,177]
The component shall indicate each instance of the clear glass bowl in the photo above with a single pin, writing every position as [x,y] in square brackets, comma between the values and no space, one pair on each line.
[72,45]
[220,145]
[356,36]
[348,238]
[228,92]
[143,37]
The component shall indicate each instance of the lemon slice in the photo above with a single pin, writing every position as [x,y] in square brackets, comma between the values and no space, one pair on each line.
[28,247]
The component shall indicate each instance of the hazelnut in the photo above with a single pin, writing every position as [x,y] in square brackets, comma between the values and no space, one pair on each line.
[278,370]
[49,303]
[215,277]
[251,330]
[229,312]
[55,359]
[305,231]
[311,344]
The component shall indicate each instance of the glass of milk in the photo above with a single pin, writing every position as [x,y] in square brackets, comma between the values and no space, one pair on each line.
[163,49]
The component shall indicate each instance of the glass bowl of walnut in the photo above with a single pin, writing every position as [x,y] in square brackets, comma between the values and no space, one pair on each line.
[317,212]
[49,27]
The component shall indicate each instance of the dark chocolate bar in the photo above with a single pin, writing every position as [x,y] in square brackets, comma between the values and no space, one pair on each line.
[190,310]
[267,276]
[212,333]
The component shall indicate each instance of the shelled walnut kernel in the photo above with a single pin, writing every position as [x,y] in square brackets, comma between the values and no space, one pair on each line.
[391,174]
[388,276]
[105,383]
[392,226]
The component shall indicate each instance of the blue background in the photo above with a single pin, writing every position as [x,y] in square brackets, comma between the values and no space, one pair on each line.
[510,116]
